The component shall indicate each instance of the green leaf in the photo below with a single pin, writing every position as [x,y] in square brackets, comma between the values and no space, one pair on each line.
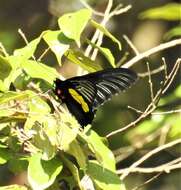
[106,32]
[169,12]
[72,24]
[73,169]
[18,165]
[13,187]
[27,51]
[43,141]
[174,121]
[42,174]
[57,42]
[106,52]
[5,155]
[83,61]
[39,70]
[177,92]
[15,72]
[66,136]
[8,96]
[174,32]
[38,109]
[6,112]
[102,177]
[5,68]
[102,153]
[76,150]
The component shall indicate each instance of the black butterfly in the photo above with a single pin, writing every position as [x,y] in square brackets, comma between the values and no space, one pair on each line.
[83,94]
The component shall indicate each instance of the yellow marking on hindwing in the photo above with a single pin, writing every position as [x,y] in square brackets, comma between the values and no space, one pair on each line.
[76,96]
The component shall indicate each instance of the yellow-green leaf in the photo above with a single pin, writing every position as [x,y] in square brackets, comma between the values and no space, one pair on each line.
[106,32]
[169,11]
[72,24]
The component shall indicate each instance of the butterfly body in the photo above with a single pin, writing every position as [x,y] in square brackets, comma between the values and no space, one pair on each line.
[84,94]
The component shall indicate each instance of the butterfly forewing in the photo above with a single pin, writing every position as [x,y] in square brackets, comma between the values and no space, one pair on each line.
[96,88]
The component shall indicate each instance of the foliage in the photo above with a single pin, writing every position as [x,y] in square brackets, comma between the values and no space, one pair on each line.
[42,139]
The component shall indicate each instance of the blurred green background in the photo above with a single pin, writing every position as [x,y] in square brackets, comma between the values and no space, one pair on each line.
[35,16]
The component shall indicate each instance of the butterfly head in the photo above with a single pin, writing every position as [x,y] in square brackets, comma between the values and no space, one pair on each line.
[59,88]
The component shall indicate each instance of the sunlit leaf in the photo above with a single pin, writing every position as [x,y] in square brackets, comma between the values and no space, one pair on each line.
[5,68]
[66,136]
[18,165]
[73,169]
[8,96]
[106,52]
[13,187]
[174,32]
[27,51]
[39,70]
[106,33]
[72,24]
[102,153]
[75,150]
[83,61]
[57,42]
[5,155]
[169,11]
[102,177]
[42,174]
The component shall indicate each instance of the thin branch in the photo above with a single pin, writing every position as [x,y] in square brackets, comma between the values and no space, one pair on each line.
[147,181]
[152,51]
[103,23]
[167,112]
[25,39]
[150,82]
[23,36]
[148,155]
[86,5]
[118,11]
[165,67]
[174,164]
[43,54]
[164,132]
[172,75]
[3,50]
[132,46]
[155,71]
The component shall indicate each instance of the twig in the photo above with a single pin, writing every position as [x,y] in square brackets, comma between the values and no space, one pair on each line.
[89,7]
[103,23]
[23,36]
[3,50]
[25,39]
[174,164]
[150,82]
[165,67]
[164,132]
[118,11]
[147,181]
[155,71]
[172,74]
[131,45]
[43,54]
[152,51]
[148,155]
[167,112]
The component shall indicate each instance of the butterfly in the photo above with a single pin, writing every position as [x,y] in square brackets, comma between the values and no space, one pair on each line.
[84,94]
